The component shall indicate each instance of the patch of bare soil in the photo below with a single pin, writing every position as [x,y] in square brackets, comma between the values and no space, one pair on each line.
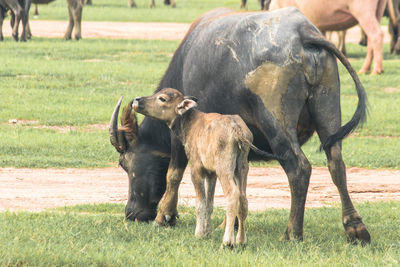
[138,30]
[38,189]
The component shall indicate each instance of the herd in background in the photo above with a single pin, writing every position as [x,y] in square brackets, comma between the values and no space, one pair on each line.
[19,10]
[330,16]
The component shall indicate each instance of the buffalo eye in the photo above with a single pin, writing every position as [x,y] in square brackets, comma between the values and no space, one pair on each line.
[162,99]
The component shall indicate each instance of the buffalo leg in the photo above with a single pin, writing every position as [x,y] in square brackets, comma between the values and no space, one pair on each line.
[75,18]
[374,33]
[168,206]
[77,15]
[294,163]
[68,33]
[324,108]
[16,17]
[2,14]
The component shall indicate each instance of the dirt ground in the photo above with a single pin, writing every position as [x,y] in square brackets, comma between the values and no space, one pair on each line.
[37,189]
[137,30]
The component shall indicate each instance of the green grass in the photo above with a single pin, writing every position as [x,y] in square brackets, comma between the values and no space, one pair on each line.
[73,85]
[118,10]
[98,235]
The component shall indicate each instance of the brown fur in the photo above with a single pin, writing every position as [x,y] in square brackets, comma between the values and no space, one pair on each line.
[343,14]
[217,146]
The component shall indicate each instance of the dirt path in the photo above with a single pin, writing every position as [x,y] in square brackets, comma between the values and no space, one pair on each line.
[37,189]
[136,30]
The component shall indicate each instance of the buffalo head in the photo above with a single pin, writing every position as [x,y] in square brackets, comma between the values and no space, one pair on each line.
[146,166]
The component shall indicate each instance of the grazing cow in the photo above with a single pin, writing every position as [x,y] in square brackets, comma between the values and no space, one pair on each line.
[153,4]
[217,146]
[274,69]
[393,12]
[19,11]
[343,14]
[75,17]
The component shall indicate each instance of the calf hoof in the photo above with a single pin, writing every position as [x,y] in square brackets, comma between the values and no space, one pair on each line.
[166,219]
[356,230]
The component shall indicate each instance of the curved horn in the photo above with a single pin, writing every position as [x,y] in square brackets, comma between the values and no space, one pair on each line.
[129,123]
[113,130]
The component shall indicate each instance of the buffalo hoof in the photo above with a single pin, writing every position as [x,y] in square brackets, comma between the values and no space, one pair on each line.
[166,219]
[356,230]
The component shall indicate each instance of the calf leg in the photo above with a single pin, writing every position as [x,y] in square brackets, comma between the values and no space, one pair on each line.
[168,205]
[204,201]
[241,179]
[232,193]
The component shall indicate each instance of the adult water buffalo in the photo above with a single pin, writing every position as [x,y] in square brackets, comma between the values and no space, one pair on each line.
[343,14]
[243,63]
[153,4]
[19,11]
[75,17]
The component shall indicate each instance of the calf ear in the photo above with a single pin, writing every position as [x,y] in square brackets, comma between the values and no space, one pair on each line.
[185,105]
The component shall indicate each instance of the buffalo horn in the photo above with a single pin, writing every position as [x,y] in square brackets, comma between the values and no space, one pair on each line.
[114,127]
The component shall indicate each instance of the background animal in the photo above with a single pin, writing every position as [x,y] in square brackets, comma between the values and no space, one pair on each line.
[74,14]
[153,4]
[343,14]
[19,11]
[278,73]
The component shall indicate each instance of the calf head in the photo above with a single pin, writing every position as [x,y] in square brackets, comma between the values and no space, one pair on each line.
[144,167]
[165,105]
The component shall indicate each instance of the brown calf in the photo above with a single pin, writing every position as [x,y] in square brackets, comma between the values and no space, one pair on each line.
[217,146]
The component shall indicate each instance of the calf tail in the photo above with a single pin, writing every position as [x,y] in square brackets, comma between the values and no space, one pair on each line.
[264,154]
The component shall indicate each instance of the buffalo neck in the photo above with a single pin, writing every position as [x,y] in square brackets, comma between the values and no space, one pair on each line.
[155,134]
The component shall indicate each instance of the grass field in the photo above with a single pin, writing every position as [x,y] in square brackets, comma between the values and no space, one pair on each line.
[73,86]
[118,10]
[98,236]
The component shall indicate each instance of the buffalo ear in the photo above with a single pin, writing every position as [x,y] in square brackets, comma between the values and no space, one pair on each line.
[129,124]
[185,105]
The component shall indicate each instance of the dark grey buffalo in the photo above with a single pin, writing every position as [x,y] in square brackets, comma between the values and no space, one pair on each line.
[19,11]
[262,66]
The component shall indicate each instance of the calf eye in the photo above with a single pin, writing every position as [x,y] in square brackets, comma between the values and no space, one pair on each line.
[162,99]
